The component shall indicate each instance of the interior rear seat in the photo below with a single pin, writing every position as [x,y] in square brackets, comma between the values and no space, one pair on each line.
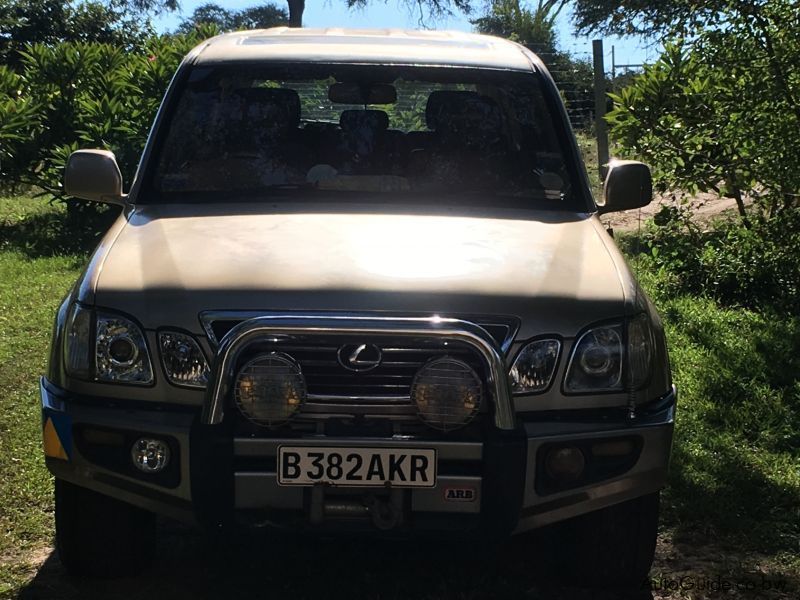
[466,141]
[266,121]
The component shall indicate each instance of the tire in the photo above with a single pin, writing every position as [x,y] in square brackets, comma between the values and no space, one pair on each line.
[609,548]
[99,536]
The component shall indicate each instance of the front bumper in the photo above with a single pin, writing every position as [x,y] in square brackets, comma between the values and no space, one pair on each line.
[216,479]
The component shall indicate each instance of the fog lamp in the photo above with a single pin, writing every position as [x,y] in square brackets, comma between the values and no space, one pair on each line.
[270,389]
[565,463]
[150,455]
[447,393]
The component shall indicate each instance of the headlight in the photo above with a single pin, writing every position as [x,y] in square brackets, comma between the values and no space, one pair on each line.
[105,347]
[612,358]
[121,352]
[270,389]
[447,393]
[596,364]
[183,361]
[534,366]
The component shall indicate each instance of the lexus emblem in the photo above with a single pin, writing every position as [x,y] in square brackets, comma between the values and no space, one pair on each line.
[359,357]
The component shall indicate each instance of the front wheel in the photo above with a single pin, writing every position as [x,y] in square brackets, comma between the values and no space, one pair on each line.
[611,547]
[99,536]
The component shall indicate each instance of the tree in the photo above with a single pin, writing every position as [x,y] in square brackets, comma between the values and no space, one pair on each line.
[255,17]
[296,8]
[649,17]
[52,21]
[148,6]
[124,23]
[427,8]
[261,17]
[82,95]
[720,111]
[532,28]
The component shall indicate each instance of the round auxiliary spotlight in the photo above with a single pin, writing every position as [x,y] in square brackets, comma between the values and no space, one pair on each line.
[447,393]
[270,389]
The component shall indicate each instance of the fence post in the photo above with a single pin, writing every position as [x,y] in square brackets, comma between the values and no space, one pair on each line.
[600,127]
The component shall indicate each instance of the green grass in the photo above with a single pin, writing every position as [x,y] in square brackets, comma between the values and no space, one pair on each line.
[735,478]
[31,286]
[735,471]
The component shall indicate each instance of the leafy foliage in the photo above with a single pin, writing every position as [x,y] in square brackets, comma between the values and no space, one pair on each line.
[89,95]
[721,111]
[752,267]
[255,17]
[649,17]
[428,9]
[123,23]
[512,20]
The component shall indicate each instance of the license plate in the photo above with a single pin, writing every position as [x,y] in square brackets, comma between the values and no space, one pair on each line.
[357,467]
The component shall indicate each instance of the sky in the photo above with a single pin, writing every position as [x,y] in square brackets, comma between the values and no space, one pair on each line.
[393,13]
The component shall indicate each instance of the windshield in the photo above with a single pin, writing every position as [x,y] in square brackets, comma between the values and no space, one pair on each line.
[246,131]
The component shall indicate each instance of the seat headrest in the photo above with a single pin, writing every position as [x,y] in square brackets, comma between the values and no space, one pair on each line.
[372,120]
[441,101]
[280,105]
[467,117]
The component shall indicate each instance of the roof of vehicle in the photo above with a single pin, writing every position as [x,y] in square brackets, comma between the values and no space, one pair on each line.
[382,46]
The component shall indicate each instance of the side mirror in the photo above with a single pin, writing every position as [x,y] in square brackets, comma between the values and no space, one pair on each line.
[94,175]
[628,185]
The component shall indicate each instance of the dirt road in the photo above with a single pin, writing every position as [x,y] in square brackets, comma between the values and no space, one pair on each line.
[704,206]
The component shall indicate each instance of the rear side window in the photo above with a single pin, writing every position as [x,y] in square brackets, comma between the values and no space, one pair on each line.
[390,130]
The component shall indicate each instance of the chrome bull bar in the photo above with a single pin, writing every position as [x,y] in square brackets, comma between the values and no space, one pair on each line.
[242,335]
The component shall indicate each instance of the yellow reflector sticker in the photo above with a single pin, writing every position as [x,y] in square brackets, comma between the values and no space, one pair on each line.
[52,443]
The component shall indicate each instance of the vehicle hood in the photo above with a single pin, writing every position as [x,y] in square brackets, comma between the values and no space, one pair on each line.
[166,264]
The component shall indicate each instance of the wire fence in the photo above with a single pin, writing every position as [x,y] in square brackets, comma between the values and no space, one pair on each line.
[573,72]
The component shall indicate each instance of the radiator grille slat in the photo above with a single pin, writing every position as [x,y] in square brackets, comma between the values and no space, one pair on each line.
[327,378]
[332,388]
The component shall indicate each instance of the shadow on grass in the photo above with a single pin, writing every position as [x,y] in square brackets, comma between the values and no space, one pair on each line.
[56,233]
[722,498]
[737,440]
[263,564]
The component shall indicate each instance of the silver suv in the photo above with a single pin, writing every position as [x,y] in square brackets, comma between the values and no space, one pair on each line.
[359,284]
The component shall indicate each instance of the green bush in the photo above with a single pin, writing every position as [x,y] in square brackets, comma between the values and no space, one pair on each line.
[755,267]
[71,95]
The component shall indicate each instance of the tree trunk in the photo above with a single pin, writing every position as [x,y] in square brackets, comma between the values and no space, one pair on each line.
[736,194]
[296,8]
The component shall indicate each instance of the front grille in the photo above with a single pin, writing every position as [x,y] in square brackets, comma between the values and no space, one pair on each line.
[338,394]
[389,383]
